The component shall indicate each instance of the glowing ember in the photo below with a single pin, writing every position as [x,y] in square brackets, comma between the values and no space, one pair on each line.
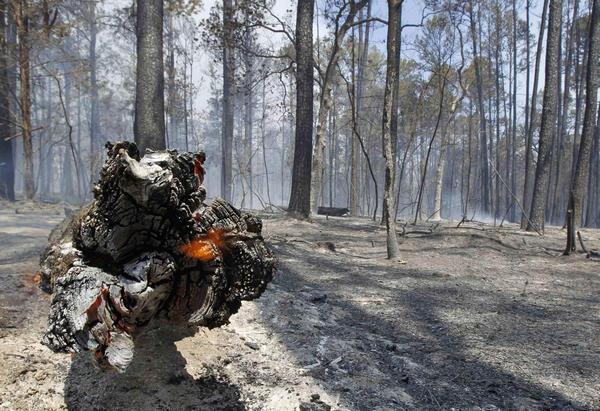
[206,247]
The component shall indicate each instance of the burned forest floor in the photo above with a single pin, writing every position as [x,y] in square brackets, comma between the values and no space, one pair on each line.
[475,317]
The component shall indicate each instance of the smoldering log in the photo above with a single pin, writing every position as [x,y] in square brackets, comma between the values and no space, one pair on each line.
[148,249]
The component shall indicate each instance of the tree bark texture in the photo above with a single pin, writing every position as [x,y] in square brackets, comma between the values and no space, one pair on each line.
[531,122]
[22,20]
[589,120]
[388,194]
[146,249]
[149,125]
[542,171]
[485,180]
[94,125]
[227,120]
[299,205]
[7,166]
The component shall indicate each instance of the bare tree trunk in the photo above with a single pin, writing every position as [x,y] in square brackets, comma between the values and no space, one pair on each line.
[439,178]
[513,180]
[332,151]
[299,205]
[395,100]
[593,207]
[470,167]
[531,124]
[170,136]
[388,196]
[482,126]
[538,203]
[355,163]
[248,123]
[94,128]
[227,127]
[22,20]
[7,165]
[263,136]
[589,121]
[149,124]
[67,178]
[565,109]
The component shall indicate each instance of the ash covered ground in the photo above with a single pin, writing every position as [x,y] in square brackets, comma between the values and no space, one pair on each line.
[471,318]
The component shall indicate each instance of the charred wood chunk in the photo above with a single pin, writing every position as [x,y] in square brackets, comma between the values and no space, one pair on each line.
[148,249]
[333,211]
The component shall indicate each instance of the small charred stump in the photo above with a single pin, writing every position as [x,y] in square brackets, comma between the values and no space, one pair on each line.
[148,249]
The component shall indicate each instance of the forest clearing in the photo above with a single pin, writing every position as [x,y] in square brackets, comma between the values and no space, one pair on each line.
[475,317]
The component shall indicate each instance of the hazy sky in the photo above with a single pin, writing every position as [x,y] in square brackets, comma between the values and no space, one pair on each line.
[412,12]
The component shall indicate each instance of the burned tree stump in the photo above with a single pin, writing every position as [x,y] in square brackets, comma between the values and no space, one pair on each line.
[148,249]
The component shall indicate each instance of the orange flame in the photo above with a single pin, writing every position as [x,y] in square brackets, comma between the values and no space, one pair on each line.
[206,247]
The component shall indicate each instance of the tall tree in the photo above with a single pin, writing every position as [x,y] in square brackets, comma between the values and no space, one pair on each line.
[22,20]
[542,171]
[227,126]
[7,167]
[589,120]
[388,152]
[299,205]
[149,124]
[531,123]
[94,124]
[485,179]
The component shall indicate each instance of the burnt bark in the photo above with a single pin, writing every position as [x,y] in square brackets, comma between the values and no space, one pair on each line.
[589,120]
[485,180]
[542,171]
[7,166]
[391,68]
[299,205]
[228,103]
[148,249]
[149,125]
[531,119]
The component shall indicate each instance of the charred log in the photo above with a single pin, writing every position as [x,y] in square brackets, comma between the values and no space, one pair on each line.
[333,211]
[148,249]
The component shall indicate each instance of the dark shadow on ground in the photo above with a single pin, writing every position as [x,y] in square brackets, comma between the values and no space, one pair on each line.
[423,360]
[155,380]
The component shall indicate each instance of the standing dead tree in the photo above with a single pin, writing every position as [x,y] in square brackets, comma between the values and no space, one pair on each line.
[147,249]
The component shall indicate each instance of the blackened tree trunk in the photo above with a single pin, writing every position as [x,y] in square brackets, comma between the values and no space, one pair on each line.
[542,171]
[513,180]
[94,128]
[299,205]
[170,136]
[22,21]
[7,166]
[589,120]
[562,127]
[227,126]
[392,68]
[485,179]
[531,122]
[149,124]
